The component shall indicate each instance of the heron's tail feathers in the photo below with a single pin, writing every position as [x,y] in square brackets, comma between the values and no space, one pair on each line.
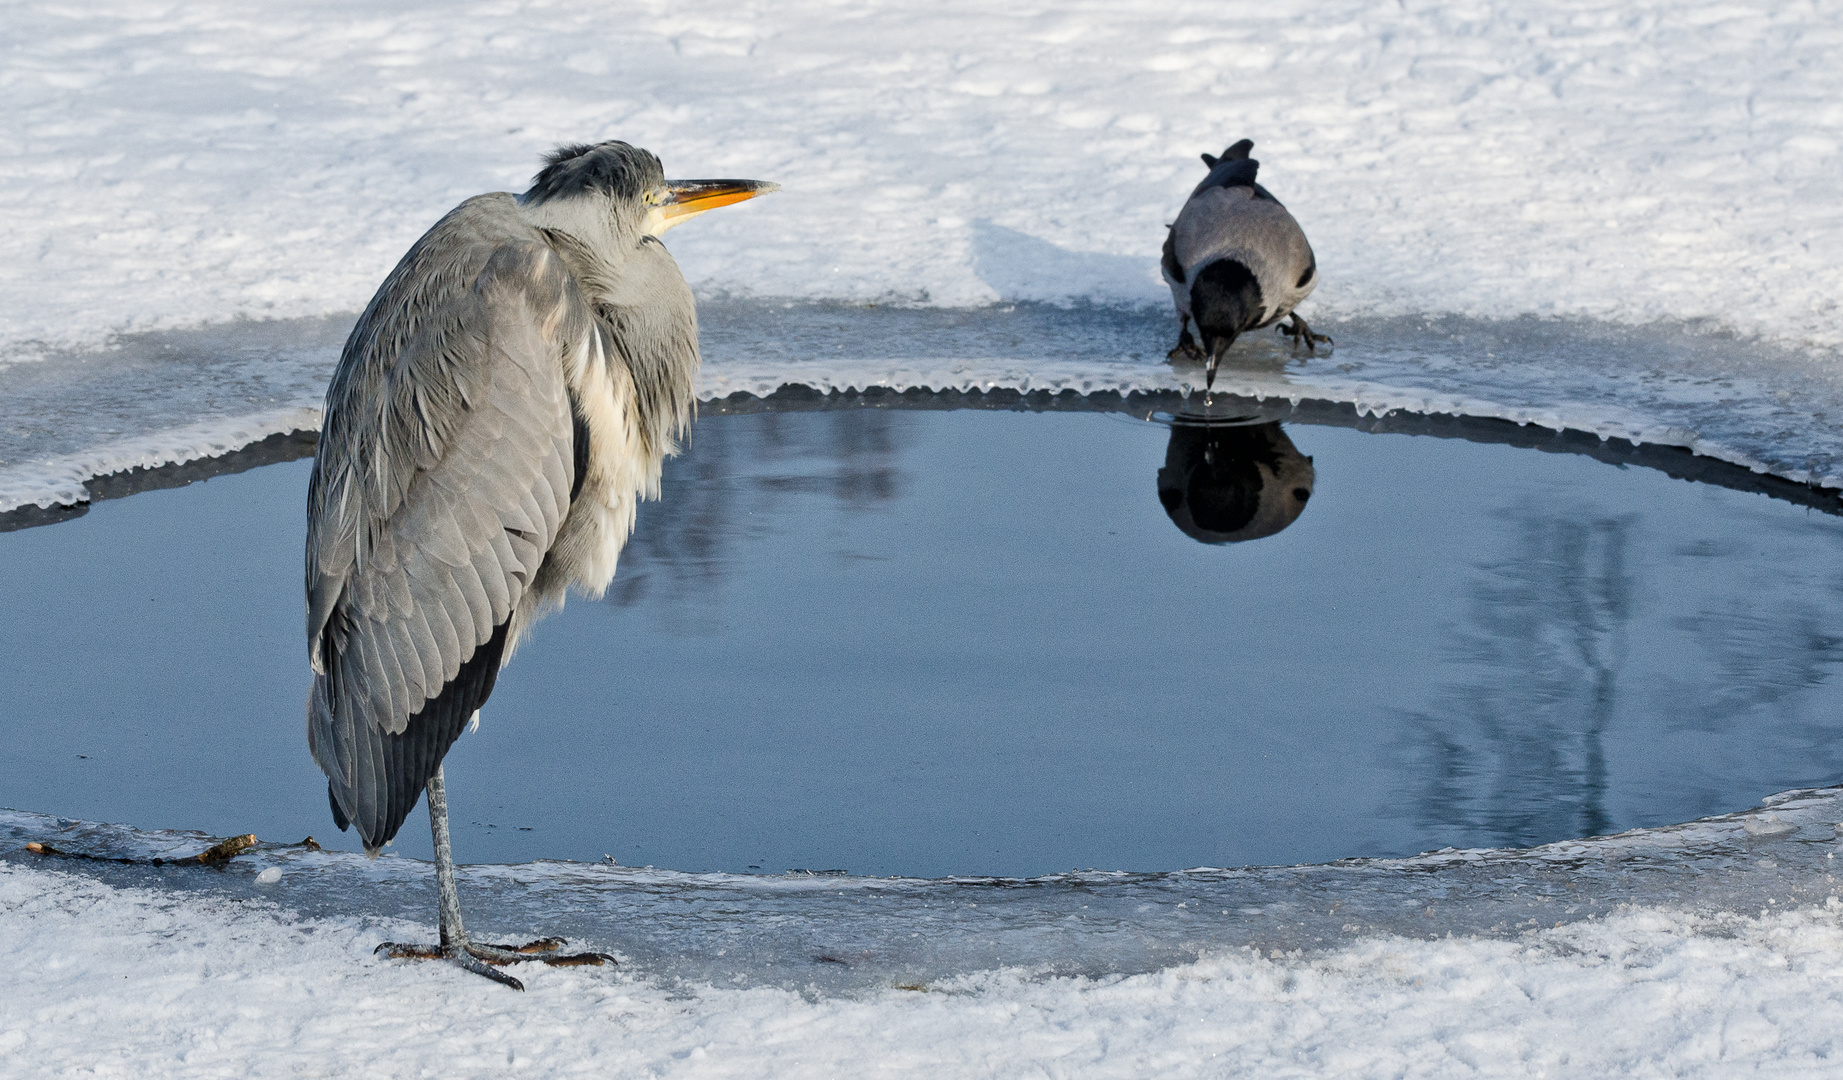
[374,776]
[339,816]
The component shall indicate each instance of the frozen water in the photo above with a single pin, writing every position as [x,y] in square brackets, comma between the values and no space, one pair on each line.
[1686,951]
[158,399]
[176,397]
[836,934]
[1662,188]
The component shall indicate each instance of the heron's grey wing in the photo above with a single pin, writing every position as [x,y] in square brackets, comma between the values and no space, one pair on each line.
[446,469]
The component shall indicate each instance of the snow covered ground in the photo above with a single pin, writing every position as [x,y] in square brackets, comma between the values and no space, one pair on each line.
[172,167]
[174,164]
[1711,949]
[1575,181]
[132,982]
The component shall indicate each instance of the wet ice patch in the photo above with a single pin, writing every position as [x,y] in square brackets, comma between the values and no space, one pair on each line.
[1769,826]
[1762,407]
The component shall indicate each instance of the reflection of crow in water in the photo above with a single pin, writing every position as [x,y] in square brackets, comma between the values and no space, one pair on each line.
[1223,484]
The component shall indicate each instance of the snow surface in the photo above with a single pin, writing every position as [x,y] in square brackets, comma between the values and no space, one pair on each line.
[173,164]
[171,167]
[1710,949]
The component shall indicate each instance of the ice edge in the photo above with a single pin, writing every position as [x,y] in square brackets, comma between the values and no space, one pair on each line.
[62,480]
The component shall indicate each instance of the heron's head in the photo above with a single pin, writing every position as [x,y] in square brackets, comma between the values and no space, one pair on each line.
[626,188]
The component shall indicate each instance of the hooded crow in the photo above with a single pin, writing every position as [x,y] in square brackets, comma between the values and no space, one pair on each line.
[1236,261]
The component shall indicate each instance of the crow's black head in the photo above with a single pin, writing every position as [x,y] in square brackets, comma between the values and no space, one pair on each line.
[1225,300]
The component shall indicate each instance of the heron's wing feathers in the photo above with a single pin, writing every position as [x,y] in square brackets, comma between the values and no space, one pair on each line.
[444,475]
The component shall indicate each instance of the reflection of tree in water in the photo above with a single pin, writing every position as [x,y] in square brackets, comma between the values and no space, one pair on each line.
[1745,635]
[1763,648]
[1517,757]
[1759,658]
[733,467]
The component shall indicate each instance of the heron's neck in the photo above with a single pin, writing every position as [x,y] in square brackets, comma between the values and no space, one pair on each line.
[583,233]
[639,294]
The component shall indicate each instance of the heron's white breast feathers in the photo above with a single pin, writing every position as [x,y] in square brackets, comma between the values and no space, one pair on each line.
[620,471]
[632,385]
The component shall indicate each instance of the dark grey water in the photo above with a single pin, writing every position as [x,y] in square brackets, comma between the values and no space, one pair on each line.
[937,643]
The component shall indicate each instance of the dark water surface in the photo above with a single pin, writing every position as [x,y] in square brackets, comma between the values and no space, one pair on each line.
[936,642]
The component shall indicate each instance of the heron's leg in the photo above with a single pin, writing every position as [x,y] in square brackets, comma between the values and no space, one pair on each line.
[1299,331]
[448,897]
[455,946]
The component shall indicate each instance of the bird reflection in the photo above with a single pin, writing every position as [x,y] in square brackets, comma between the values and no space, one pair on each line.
[1229,481]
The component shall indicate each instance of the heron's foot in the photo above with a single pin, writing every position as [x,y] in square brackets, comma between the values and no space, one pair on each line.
[484,959]
[461,958]
[1300,332]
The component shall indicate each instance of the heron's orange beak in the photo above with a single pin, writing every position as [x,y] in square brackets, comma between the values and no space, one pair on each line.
[683,200]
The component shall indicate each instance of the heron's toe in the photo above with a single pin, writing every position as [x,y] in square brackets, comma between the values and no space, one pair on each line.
[585,959]
[398,951]
[544,949]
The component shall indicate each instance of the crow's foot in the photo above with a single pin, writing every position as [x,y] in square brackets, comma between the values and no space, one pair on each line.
[1300,332]
[1186,348]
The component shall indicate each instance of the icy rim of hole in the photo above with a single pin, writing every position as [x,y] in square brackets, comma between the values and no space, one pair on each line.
[1762,408]
[1801,814]
[835,933]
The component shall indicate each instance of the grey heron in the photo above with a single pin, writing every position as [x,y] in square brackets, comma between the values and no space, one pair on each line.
[1235,261]
[502,404]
